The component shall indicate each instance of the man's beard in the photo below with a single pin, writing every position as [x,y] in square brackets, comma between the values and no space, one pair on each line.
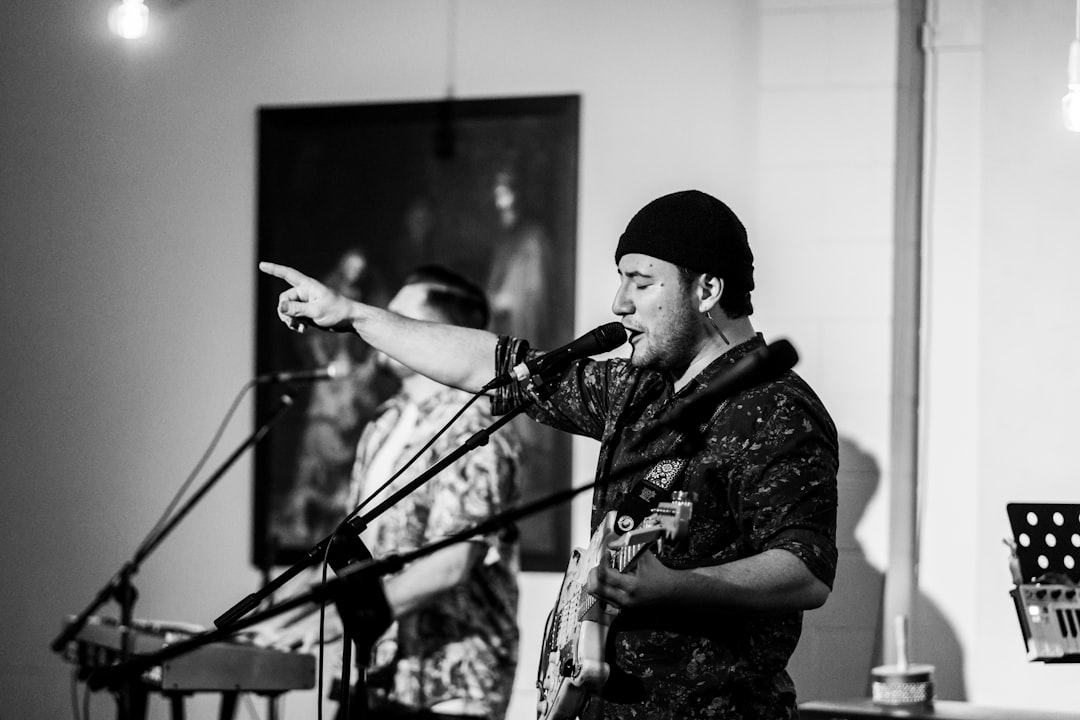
[674,348]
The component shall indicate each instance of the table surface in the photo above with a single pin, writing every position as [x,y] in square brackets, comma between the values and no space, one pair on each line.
[941,710]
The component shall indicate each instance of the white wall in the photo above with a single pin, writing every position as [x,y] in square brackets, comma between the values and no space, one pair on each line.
[824,176]
[950,343]
[1002,337]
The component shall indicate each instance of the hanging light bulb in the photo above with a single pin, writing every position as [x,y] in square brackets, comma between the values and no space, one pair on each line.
[129,19]
[1070,104]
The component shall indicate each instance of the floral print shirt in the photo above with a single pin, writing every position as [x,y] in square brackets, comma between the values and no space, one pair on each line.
[464,647]
[764,478]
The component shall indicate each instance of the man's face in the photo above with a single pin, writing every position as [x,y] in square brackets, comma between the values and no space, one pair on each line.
[410,301]
[658,313]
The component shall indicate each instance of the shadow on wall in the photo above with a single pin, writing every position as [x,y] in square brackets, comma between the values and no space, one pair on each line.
[841,642]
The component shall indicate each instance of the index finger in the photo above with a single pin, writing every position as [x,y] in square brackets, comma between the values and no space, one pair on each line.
[286,273]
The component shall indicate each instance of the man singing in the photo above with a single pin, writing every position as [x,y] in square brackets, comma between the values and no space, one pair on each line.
[707,629]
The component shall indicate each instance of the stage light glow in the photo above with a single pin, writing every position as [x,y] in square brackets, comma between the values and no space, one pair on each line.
[130,19]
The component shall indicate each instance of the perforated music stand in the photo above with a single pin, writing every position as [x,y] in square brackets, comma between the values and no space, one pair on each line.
[1047,537]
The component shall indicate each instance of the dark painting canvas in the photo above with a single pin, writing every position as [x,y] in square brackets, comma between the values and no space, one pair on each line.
[357,196]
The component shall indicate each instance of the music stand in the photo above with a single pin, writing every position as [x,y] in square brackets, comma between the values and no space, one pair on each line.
[1046,546]
[1047,537]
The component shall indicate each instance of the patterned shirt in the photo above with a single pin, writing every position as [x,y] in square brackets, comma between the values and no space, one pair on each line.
[464,646]
[764,478]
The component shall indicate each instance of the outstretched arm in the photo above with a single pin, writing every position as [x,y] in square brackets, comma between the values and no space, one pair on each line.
[456,356]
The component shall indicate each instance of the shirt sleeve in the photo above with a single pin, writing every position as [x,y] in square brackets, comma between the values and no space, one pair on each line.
[577,401]
[787,491]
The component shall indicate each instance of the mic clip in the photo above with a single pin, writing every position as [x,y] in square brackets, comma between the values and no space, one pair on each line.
[541,384]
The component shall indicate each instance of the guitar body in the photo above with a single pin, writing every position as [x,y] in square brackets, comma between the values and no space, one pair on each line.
[572,662]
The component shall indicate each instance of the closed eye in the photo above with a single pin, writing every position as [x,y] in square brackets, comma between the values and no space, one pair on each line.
[639,280]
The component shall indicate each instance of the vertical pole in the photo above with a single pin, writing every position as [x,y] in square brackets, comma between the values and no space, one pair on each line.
[901,577]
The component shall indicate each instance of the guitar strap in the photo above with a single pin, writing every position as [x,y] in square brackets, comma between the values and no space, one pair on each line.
[658,483]
[655,487]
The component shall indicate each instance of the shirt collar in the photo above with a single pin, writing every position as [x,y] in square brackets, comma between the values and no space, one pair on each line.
[723,363]
[442,397]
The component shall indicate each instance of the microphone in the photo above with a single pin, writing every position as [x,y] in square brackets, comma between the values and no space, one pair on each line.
[336,369]
[761,365]
[600,340]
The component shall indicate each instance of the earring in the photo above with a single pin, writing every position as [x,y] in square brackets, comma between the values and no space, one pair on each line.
[717,328]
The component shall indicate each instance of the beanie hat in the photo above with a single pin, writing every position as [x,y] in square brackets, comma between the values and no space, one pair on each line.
[695,231]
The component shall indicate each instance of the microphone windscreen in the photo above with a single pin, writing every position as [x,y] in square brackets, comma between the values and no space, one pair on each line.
[609,336]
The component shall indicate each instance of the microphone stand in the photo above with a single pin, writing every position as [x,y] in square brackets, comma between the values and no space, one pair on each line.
[234,618]
[121,588]
[334,586]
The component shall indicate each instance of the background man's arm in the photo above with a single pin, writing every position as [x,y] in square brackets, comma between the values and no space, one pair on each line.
[422,581]
[409,590]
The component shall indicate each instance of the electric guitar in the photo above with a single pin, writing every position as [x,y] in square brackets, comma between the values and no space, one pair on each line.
[572,664]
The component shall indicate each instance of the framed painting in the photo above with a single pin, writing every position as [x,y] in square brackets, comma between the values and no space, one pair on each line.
[358,196]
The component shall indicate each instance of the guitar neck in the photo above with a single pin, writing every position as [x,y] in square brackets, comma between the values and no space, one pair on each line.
[622,558]
[632,544]
[623,553]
